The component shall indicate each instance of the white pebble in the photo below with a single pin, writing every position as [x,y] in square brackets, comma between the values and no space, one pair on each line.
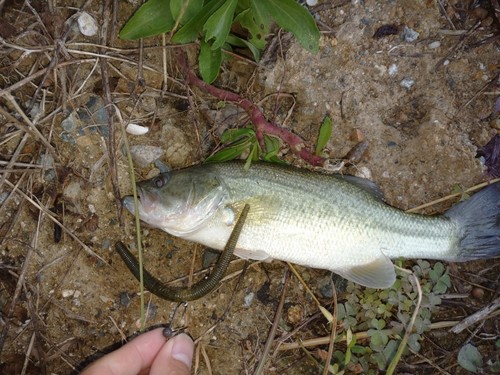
[393,70]
[249,299]
[407,83]
[409,35]
[135,129]
[87,24]
[311,3]
[67,293]
[435,44]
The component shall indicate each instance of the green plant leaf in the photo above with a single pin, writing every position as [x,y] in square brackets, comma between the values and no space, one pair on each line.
[414,342]
[252,156]
[293,17]
[272,145]
[152,18]
[238,42]
[229,153]
[232,135]
[219,23]
[469,358]
[257,25]
[209,61]
[193,7]
[325,133]
[190,31]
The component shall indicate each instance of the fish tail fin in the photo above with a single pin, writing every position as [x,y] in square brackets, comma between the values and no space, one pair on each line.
[478,219]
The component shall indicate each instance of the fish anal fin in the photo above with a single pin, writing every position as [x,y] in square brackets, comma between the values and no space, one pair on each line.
[378,274]
[253,254]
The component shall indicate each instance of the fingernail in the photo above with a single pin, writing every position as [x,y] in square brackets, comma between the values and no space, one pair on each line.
[182,349]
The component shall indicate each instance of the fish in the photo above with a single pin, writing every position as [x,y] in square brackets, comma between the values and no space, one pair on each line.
[333,222]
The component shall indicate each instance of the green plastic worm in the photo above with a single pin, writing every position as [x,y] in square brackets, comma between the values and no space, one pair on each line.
[202,287]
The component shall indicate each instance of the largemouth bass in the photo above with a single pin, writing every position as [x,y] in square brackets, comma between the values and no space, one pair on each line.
[323,221]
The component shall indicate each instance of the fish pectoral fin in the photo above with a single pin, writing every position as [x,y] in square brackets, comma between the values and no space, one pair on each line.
[264,208]
[379,274]
[253,255]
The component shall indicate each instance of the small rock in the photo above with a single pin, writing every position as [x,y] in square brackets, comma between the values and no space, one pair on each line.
[409,35]
[249,299]
[46,161]
[177,147]
[84,141]
[152,311]
[497,105]
[3,196]
[70,123]
[295,314]
[407,83]
[357,135]
[67,293]
[73,190]
[106,299]
[209,256]
[106,243]
[311,3]
[125,299]
[393,70]
[477,293]
[35,112]
[97,108]
[145,155]
[363,172]
[68,138]
[435,44]
[325,287]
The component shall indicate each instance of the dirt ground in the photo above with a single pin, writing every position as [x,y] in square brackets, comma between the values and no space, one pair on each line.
[425,106]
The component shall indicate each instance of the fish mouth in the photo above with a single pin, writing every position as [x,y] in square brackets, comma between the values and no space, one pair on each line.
[146,202]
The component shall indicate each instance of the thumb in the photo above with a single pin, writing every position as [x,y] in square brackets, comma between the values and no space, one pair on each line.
[175,357]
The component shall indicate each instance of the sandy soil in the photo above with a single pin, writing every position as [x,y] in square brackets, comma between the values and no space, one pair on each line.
[75,300]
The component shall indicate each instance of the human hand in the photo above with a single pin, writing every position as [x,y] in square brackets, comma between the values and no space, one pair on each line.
[148,353]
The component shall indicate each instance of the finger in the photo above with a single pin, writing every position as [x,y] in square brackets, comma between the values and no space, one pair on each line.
[175,357]
[131,358]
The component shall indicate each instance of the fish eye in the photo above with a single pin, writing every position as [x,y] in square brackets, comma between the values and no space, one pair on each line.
[161,180]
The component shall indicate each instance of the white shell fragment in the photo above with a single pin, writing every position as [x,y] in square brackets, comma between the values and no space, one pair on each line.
[87,24]
[135,129]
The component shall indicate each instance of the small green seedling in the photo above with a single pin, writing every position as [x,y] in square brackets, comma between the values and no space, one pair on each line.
[243,143]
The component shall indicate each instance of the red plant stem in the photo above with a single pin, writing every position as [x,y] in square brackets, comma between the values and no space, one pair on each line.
[262,126]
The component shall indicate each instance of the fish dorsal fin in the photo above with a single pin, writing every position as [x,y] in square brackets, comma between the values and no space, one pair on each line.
[365,184]
[378,274]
